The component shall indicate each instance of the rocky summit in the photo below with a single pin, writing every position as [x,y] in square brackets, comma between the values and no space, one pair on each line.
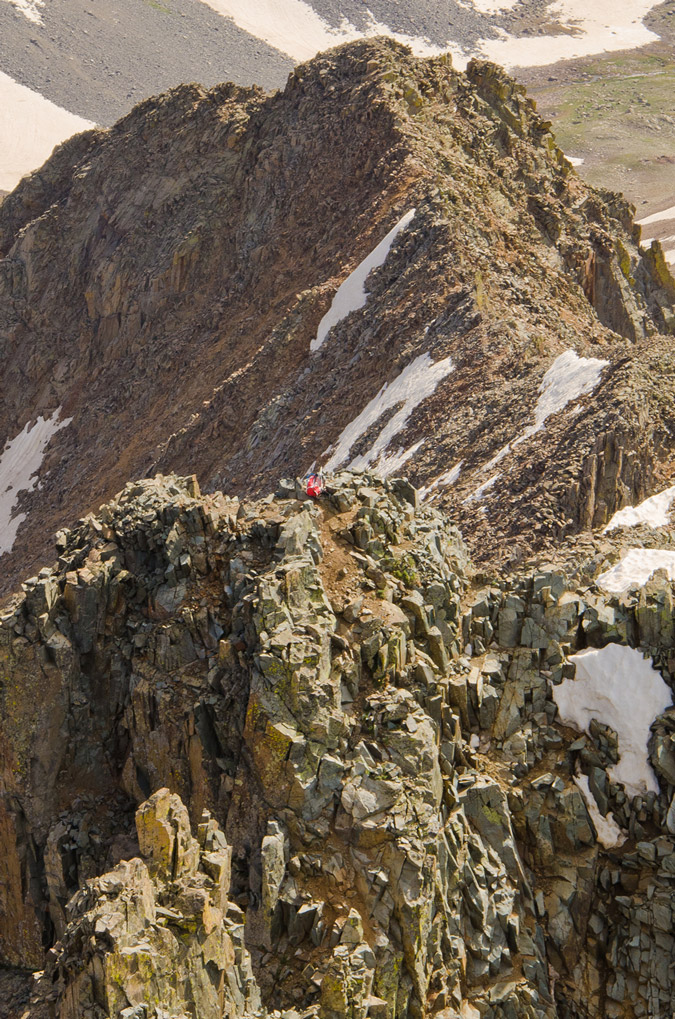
[296,759]
[403,751]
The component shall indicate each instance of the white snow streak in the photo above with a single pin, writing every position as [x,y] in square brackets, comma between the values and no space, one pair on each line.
[499,456]
[619,688]
[19,463]
[481,490]
[654,511]
[575,160]
[609,834]
[635,568]
[656,217]
[391,463]
[568,378]
[443,480]
[30,9]
[352,295]
[408,390]
[30,127]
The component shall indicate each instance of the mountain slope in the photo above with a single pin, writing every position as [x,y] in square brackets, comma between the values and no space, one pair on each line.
[163,282]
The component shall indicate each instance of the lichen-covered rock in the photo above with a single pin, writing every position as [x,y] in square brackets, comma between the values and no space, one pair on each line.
[154,937]
[326,777]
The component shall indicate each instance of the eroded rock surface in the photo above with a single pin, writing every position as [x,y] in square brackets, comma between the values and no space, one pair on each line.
[156,936]
[389,819]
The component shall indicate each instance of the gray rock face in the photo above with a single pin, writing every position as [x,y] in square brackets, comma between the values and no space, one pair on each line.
[389,819]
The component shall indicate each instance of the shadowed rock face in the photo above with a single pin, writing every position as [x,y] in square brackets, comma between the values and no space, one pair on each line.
[380,811]
[161,283]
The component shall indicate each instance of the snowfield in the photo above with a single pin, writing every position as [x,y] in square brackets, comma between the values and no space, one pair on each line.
[30,127]
[298,29]
[568,378]
[654,511]
[621,689]
[19,463]
[599,27]
[295,27]
[657,217]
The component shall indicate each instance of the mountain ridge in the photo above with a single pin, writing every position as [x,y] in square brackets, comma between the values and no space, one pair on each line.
[186,260]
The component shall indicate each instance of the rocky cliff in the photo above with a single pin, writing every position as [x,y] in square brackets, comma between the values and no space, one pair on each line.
[164,287]
[298,759]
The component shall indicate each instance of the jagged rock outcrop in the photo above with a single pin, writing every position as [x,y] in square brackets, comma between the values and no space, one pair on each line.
[371,732]
[156,936]
[162,284]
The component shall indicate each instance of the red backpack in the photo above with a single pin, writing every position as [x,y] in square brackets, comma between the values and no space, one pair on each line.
[315,485]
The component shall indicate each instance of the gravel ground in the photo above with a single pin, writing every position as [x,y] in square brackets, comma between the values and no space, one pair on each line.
[98,59]
[436,20]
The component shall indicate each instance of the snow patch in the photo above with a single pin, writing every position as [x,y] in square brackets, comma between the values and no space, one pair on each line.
[654,511]
[568,378]
[635,568]
[609,834]
[481,490]
[30,9]
[599,27]
[575,160]
[30,127]
[391,463]
[656,217]
[669,255]
[494,6]
[352,295]
[619,688]
[499,456]
[291,26]
[408,390]
[443,480]
[295,28]
[19,463]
